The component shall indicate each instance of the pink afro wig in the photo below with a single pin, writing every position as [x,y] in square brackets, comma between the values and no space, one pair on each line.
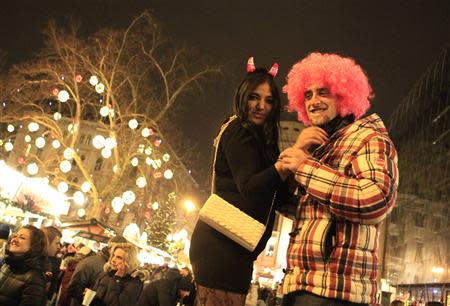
[341,75]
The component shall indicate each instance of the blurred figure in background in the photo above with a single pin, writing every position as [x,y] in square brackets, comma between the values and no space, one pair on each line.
[88,271]
[122,281]
[53,273]
[68,267]
[22,279]
[166,291]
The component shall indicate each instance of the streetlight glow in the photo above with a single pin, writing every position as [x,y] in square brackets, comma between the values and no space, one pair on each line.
[189,205]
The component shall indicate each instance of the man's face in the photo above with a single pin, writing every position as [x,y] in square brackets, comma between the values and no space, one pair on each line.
[320,105]
[54,247]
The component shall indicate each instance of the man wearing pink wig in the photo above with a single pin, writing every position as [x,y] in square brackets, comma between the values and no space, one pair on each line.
[345,166]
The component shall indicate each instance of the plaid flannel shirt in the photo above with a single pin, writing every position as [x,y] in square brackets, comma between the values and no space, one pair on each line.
[348,190]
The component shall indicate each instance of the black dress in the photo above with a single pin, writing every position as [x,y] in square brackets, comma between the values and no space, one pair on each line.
[246,177]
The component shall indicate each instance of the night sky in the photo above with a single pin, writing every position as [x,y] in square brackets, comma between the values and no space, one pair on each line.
[394,41]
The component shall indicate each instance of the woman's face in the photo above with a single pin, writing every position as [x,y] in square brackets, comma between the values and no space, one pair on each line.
[118,258]
[260,104]
[20,242]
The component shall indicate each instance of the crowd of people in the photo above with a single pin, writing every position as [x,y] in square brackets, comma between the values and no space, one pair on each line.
[37,271]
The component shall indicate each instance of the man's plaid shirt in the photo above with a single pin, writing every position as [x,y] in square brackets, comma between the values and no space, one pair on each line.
[349,188]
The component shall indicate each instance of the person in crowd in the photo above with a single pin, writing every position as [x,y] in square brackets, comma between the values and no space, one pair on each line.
[397,303]
[252,296]
[88,271]
[122,281]
[4,235]
[248,175]
[345,166]
[68,268]
[53,272]
[189,300]
[169,290]
[22,280]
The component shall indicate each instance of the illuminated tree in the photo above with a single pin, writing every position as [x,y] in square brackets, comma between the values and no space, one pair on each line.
[92,114]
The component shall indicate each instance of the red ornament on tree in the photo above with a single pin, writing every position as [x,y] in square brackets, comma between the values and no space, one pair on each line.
[78,78]
[157,142]
[147,215]
[55,91]
[157,175]
[107,210]
[21,160]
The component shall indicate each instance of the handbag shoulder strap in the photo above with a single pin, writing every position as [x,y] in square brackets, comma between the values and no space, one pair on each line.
[216,148]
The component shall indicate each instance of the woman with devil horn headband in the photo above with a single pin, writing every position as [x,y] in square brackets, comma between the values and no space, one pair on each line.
[247,174]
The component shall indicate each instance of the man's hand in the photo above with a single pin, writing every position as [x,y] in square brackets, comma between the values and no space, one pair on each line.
[309,136]
[293,157]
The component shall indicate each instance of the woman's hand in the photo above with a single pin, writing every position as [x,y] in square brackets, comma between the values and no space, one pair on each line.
[121,269]
[309,136]
[292,158]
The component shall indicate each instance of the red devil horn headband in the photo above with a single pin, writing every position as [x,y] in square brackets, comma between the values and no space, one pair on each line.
[251,67]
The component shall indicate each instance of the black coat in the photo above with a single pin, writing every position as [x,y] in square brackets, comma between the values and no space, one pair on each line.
[247,178]
[22,281]
[112,290]
[86,274]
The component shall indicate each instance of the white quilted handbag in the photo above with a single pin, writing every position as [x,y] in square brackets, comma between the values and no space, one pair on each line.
[227,218]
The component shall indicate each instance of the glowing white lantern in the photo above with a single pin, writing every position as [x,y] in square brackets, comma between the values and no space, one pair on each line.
[98,142]
[9,146]
[100,88]
[168,174]
[133,124]
[63,187]
[106,153]
[155,205]
[81,212]
[56,144]
[111,112]
[145,132]
[40,142]
[110,143]
[57,116]
[104,111]
[93,80]
[166,157]
[68,153]
[148,151]
[10,128]
[134,161]
[128,197]
[33,127]
[78,197]
[63,96]
[27,138]
[115,167]
[32,169]
[117,204]
[85,187]
[65,166]
[141,182]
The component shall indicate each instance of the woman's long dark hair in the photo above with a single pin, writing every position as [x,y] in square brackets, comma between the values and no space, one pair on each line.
[240,103]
